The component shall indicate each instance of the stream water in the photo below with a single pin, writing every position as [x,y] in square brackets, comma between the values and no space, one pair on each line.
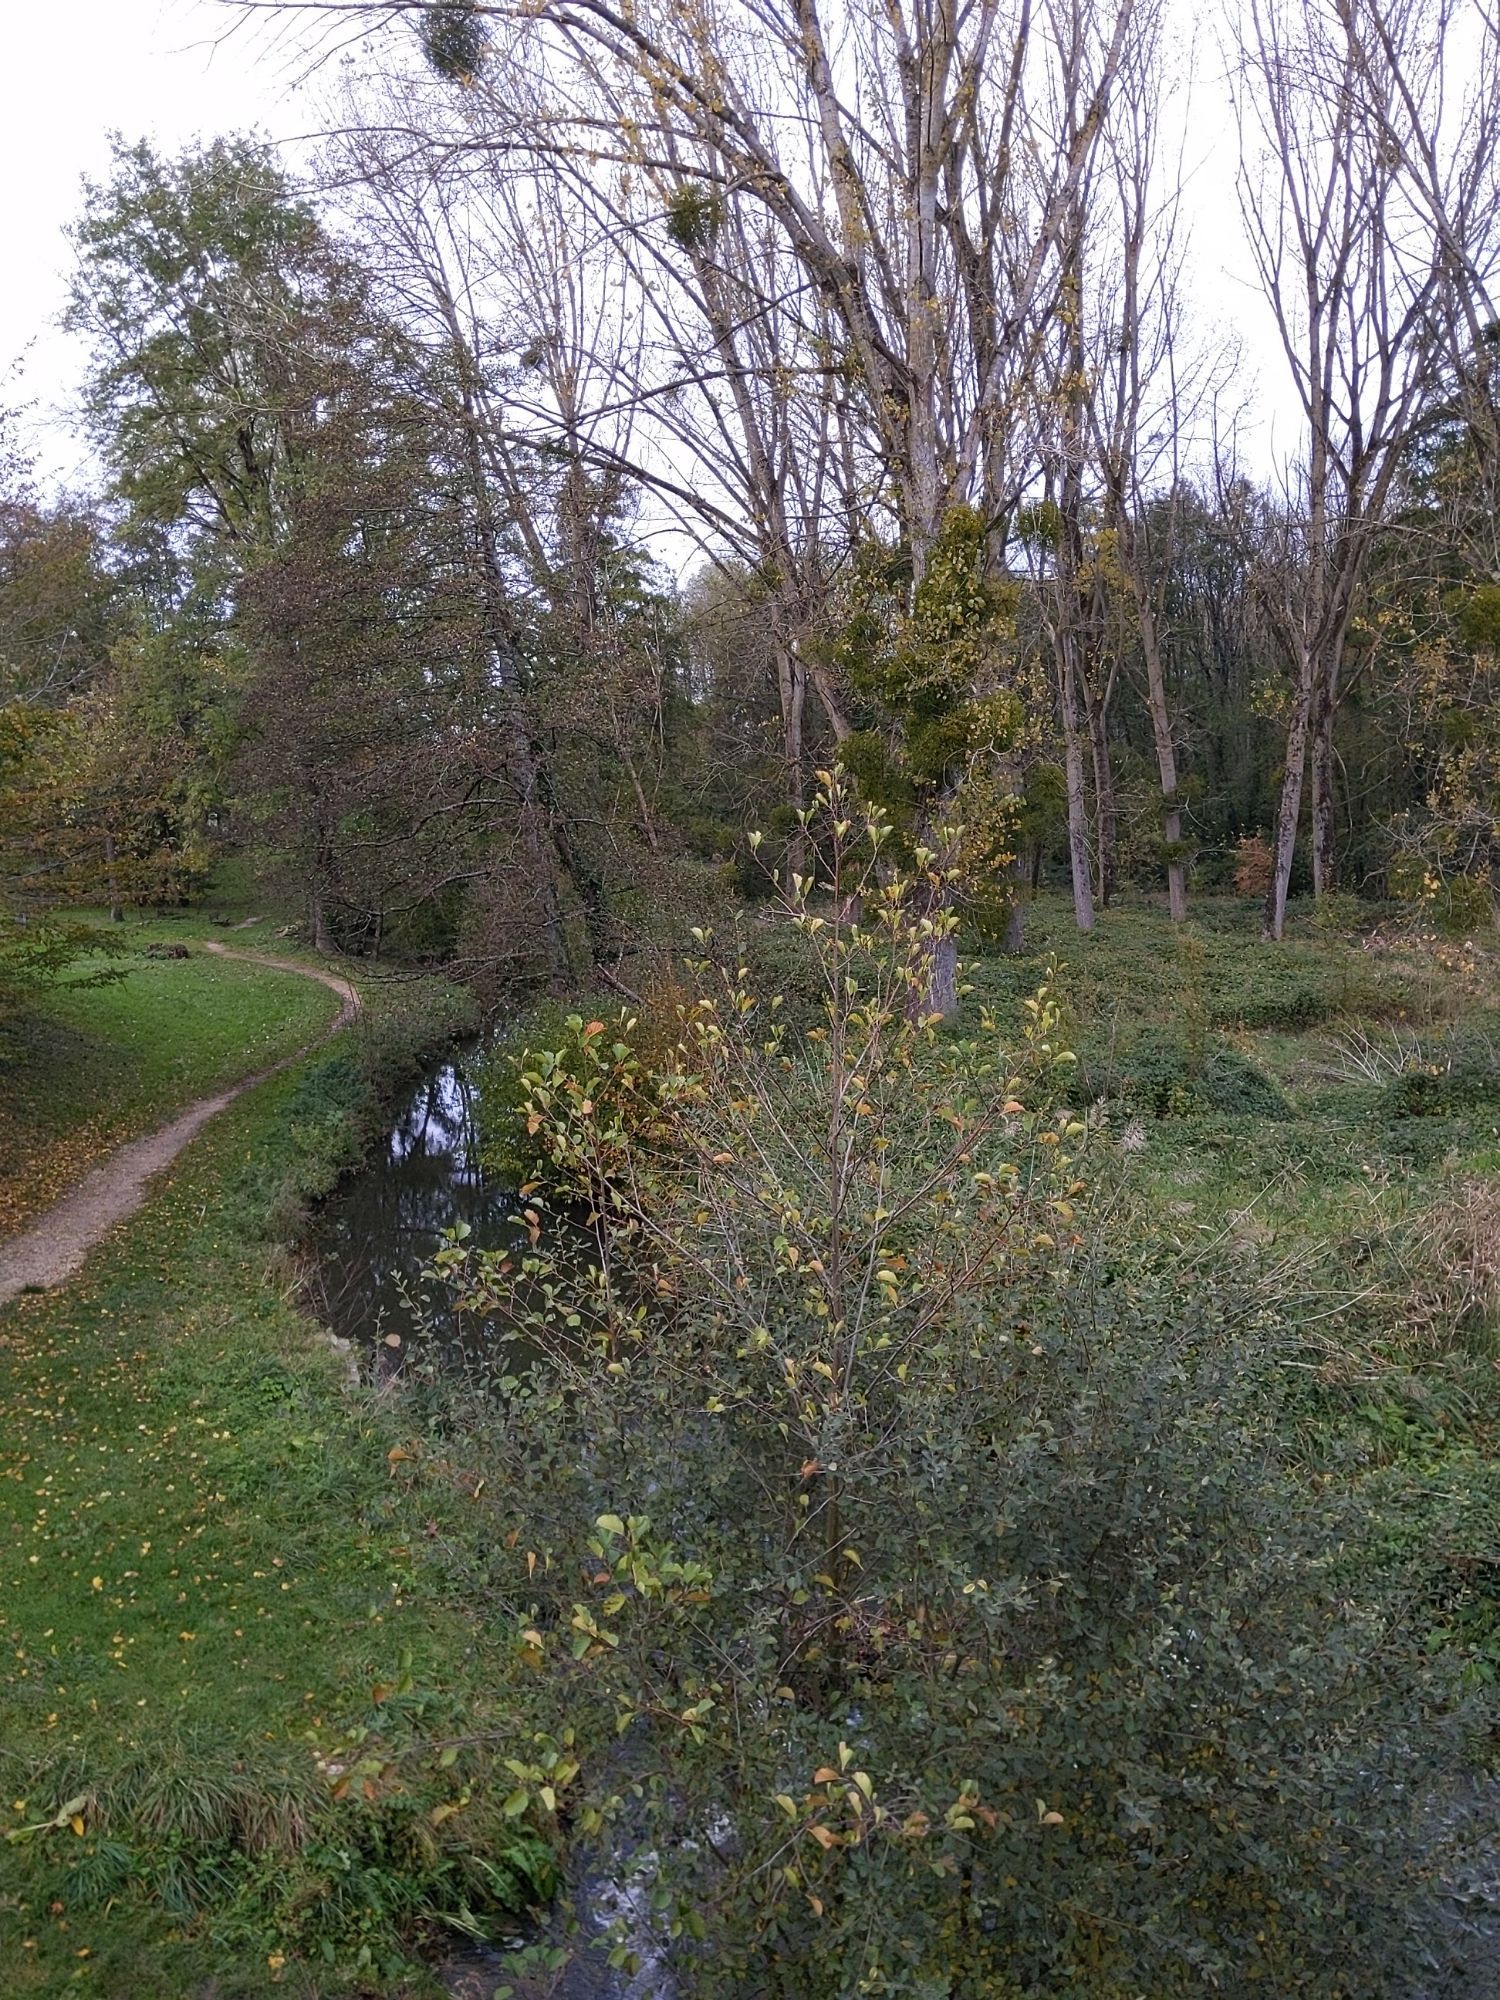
[367,1250]
[372,1239]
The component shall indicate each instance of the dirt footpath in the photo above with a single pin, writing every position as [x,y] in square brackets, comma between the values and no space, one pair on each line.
[56,1244]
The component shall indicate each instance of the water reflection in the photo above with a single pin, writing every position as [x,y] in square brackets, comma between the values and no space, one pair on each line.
[368,1247]
[372,1239]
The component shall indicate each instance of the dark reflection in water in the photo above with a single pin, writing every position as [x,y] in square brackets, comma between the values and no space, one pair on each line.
[368,1248]
[372,1239]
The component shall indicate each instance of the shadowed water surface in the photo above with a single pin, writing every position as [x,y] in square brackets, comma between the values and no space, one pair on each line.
[368,1248]
[371,1241]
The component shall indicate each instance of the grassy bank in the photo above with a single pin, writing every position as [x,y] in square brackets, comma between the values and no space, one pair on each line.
[1331,1105]
[230,1649]
[1322,1118]
[94,1064]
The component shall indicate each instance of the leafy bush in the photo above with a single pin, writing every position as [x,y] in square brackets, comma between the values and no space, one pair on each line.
[782,960]
[1161,1074]
[1467,905]
[933,1600]
[1459,904]
[505,1147]
[1460,1075]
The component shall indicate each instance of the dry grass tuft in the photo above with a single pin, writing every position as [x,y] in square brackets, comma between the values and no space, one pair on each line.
[1455,1271]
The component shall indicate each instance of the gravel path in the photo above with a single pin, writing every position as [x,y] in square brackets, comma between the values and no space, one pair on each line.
[55,1246]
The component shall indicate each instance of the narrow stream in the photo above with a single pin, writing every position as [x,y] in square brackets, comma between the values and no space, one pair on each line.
[367,1249]
[372,1239]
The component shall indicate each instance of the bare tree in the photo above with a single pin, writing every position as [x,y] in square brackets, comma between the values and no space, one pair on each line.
[874,201]
[667,345]
[1362,267]
[1148,395]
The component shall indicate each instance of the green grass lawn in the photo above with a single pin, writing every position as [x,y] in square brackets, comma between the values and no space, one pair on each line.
[93,1064]
[229,1640]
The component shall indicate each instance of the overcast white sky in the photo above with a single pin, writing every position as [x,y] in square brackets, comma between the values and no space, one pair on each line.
[73,70]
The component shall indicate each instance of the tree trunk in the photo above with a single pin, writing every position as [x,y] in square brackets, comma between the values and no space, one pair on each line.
[942,978]
[1171,833]
[1078,811]
[112,881]
[1106,813]
[1166,752]
[791,683]
[1015,922]
[537,818]
[833,707]
[318,923]
[1072,610]
[1324,826]
[1289,811]
[642,803]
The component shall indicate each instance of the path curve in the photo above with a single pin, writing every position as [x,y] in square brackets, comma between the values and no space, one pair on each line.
[55,1246]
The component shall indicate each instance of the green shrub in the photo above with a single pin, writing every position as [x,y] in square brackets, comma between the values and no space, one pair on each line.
[1159,1074]
[782,962]
[709,839]
[1273,989]
[1232,1085]
[1460,1075]
[429,932]
[1466,905]
[505,1147]
[927,1576]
